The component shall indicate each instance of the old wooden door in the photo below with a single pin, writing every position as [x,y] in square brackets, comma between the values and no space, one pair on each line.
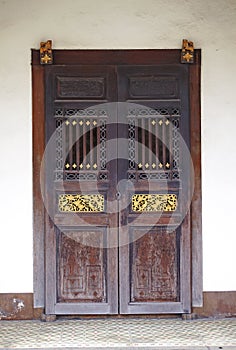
[117,189]
[82,240]
[155,169]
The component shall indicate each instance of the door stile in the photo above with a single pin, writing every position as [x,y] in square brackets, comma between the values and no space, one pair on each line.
[38,138]
[50,267]
[196,204]
[185,270]
[123,202]
[49,201]
[113,210]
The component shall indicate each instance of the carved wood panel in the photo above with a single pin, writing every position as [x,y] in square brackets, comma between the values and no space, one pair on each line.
[81,267]
[153,87]
[77,87]
[154,266]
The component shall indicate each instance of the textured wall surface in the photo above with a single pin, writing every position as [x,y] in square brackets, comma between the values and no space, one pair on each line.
[119,24]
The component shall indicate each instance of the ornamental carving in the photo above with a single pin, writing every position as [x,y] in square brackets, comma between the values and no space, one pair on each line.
[187,53]
[82,267]
[78,87]
[154,267]
[81,203]
[154,202]
[155,87]
[46,52]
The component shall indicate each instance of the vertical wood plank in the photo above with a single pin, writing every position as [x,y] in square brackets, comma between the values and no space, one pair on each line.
[91,145]
[50,266]
[150,143]
[157,143]
[77,148]
[38,121]
[74,146]
[196,206]
[70,144]
[160,144]
[185,264]
[124,273]
[64,148]
[66,143]
[98,146]
[139,160]
[163,144]
[81,142]
[95,145]
[85,159]
[170,145]
[143,142]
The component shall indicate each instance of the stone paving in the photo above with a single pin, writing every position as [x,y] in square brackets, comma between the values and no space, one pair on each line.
[171,334]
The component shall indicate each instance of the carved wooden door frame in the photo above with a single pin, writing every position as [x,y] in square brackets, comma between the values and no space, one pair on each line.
[122,57]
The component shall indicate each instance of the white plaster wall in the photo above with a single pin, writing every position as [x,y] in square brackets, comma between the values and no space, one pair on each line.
[119,24]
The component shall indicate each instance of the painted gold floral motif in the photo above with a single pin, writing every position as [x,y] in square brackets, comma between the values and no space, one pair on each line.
[154,202]
[81,203]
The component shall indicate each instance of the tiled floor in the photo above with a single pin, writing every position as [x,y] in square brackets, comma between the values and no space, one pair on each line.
[119,334]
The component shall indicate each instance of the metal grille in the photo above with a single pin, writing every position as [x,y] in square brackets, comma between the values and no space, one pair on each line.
[154,144]
[80,144]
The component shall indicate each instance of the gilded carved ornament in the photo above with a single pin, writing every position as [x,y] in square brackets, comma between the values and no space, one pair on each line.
[187,53]
[46,52]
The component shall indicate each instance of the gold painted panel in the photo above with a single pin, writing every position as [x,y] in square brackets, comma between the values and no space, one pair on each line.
[154,202]
[81,203]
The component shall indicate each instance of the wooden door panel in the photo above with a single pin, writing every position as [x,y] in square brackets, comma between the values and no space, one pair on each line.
[81,261]
[153,240]
[154,266]
[79,190]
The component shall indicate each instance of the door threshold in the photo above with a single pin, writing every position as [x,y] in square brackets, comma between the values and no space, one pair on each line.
[91,317]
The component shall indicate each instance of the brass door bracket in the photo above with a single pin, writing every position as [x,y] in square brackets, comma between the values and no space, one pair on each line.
[46,52]
[187,53]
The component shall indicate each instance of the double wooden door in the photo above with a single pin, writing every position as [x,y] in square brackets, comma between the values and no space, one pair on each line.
[117,189]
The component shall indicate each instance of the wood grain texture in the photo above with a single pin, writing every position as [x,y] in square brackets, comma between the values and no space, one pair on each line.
[111,57]
[38,206]
[217,304]
[154,267]
[82,266]
[154,284]
[79,272]
[196,205]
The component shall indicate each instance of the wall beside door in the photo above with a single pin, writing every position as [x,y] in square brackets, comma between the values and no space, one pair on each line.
[118,24]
